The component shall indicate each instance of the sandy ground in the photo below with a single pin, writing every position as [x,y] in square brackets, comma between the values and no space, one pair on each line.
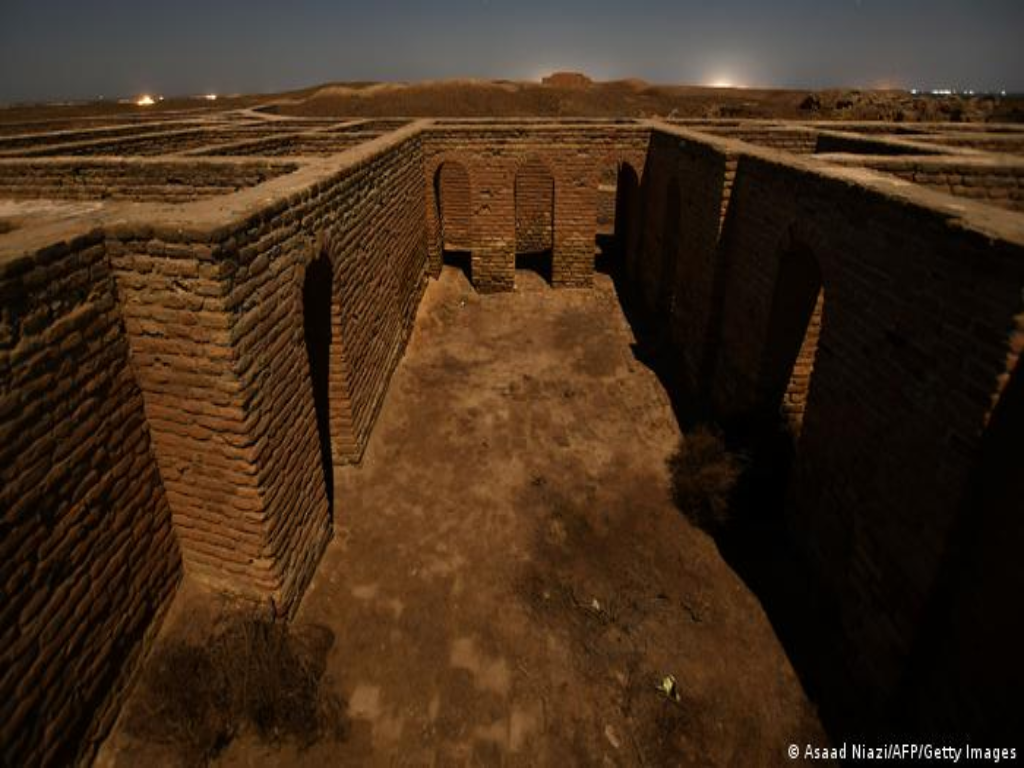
[509,580]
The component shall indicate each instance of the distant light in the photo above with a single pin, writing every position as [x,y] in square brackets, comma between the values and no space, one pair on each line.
[724,82]
[145,100]
[913,91]
[210,97]
[1002,93]
[942,91]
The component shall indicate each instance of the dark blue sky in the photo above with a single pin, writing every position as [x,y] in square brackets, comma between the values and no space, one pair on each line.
[58,50]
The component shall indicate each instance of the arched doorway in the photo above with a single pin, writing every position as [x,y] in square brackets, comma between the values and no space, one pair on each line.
[666,272]
[316,315]
[794,328]
[454,215]
[535,215]
[626,219]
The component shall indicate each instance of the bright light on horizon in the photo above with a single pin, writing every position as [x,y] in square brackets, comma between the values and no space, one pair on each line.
[145,100]
[724,82]
[210,97]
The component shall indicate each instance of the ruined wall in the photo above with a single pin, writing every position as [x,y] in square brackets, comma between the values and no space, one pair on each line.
[703,174]
[801,141]
[535,206]
[1009,143]
[282,146]
[87,557]
[962,672]
[861,145]
[176,297]
[607,182]
[13,143]
[191,331]
[1000,184]
[916,337]
[163,181]
[217,336]
[455,215]
[492,155]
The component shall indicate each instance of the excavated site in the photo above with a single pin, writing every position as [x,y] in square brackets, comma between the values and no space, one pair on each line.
[524,441]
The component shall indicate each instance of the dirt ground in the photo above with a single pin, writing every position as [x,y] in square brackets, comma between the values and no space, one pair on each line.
[509,580]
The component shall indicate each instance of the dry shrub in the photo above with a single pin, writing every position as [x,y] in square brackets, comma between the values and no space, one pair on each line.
[253,674]
[703,475]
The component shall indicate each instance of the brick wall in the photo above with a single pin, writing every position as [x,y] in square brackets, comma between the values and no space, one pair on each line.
[800,141]
[217,334]
[916,337]
[535,206]
[163,181]
[452,192]
[861,145]
[88,560]
[1000,184]
[157,409]
[493,154]
[702,174]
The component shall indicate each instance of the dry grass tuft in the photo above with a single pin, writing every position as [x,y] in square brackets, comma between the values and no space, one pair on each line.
[253,674]
[704,474]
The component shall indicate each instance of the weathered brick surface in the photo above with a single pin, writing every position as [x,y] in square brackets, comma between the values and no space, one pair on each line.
[217,337]
[996,183]
[493,156]
[88,560]
[454,201]
[674,266]
[156,406]
[921,325]
[168,181]
[535,206]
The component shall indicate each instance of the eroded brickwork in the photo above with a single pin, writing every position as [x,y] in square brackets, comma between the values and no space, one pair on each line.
[158,411]
[88,560]
[493,155]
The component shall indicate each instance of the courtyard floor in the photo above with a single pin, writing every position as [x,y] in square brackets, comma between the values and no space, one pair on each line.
[509,579]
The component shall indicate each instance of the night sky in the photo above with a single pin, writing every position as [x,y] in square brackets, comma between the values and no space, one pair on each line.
[74,50]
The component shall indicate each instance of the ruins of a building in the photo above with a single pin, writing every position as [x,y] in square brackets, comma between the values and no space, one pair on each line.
[199,315]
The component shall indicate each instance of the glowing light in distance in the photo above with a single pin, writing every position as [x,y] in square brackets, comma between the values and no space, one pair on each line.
[724,82]
[145,100]
[210,97]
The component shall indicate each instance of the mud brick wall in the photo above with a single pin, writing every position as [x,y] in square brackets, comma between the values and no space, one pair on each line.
[1001,185]
[1010,143]
[88,560]
[176,297]
[162,181]
[455,215]
[217,338]
[861,145]
[607,184]
[921,327]
[372,225]
[535,207]
[955,687]
[493,155]
[155,143]
[801,142]
[16,143]
[313,145]
[683,277]
[369,221]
